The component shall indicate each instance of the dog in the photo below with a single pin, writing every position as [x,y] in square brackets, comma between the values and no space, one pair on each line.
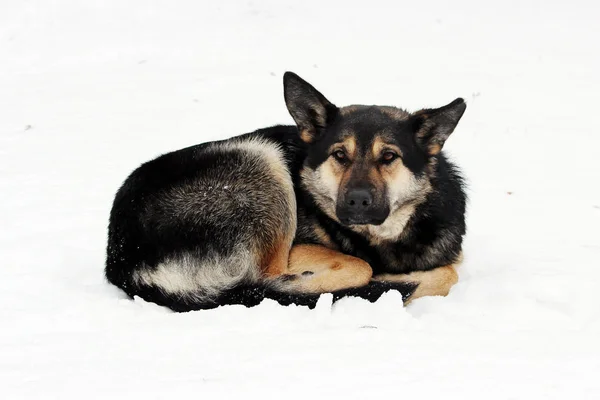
[354,201]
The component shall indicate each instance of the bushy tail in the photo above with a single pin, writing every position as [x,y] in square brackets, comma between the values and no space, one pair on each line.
[250,296]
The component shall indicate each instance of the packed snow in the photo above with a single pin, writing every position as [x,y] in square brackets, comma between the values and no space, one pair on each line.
[89,90]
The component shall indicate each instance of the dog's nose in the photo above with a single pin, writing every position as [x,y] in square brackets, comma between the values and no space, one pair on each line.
[359,199]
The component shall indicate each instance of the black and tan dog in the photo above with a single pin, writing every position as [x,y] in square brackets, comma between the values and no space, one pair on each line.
[355,200]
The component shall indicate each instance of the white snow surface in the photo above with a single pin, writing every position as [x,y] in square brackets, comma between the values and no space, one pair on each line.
[89,90]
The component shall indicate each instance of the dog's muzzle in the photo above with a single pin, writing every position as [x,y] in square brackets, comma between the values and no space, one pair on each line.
[359,208]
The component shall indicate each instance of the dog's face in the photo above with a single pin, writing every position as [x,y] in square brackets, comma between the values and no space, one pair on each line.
[367,163]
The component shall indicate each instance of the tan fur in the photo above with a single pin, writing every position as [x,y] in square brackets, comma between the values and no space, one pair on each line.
[275,262]
[306,135]
[401,183]
[404,193]
[434,148]
[435,282]
[322,236]
[404,190]
[348,145]
[323,183]
[379,146]
[273,256]
[331,269]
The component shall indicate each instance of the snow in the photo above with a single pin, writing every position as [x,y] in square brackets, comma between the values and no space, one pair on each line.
[89,90]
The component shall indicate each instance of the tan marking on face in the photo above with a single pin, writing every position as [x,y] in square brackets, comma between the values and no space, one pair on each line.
[348,146]
[323,184]
[401,182]
[331,269]
[330,173]
[404,192]
[327,179]
[379,146]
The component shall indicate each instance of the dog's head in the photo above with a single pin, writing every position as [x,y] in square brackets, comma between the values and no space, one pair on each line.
[365,163]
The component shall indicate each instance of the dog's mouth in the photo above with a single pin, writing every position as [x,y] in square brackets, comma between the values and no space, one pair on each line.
[351,217]
[359,220]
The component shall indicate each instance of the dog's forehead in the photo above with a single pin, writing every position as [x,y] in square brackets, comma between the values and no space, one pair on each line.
[369,124]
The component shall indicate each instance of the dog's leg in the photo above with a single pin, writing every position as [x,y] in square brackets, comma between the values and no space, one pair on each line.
[317,269]
[275,263]
[435,282]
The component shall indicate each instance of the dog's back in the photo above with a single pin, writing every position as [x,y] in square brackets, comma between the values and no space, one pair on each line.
[191,224]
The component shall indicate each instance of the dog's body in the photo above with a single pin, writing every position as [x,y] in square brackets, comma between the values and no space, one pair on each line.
[290,212]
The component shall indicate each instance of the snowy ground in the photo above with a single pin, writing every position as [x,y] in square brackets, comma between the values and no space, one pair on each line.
[88,92]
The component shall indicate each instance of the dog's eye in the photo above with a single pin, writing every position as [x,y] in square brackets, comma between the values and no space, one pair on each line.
[339,155]
[388,157]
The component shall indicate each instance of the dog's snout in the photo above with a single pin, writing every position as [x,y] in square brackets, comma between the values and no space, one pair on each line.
[360,206]
[359,199]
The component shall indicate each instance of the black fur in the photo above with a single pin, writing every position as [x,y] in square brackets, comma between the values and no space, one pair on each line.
[143,232]
[138,239]
[441,216]
[251,296]
[433,235]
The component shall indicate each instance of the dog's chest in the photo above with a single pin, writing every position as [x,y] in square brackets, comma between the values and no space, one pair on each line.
[389,260]
[386,257]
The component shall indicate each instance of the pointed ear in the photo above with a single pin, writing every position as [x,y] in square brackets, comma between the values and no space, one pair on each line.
[434,126]
[309,108]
